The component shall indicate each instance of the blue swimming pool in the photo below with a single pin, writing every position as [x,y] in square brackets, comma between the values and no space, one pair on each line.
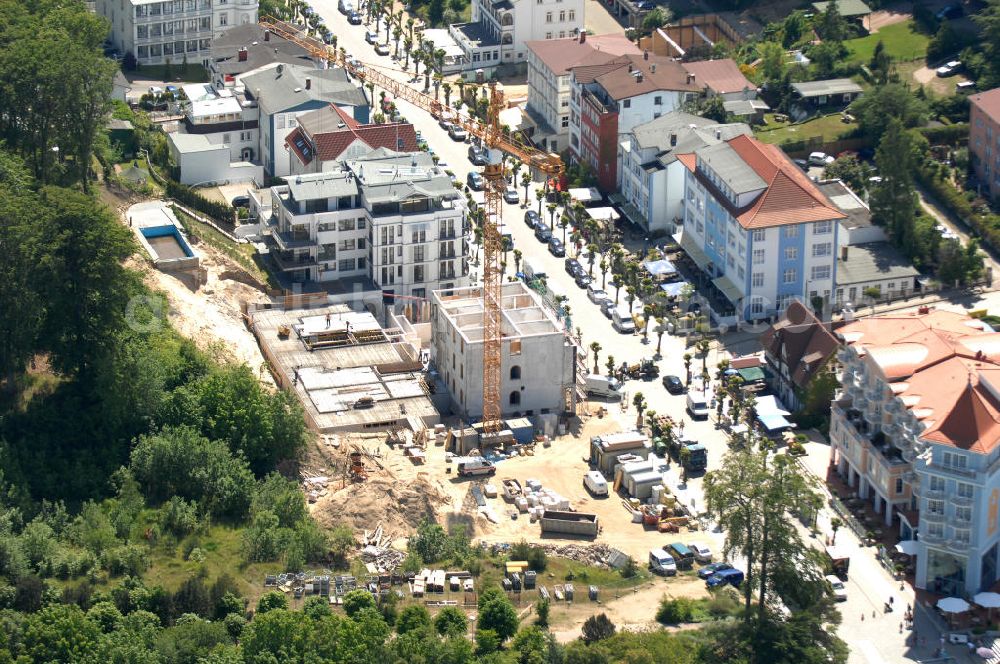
[167,242]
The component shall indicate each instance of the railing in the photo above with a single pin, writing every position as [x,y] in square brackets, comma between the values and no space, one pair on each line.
[845,515]
[959,472]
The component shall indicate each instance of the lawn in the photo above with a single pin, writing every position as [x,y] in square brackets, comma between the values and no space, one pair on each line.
[901,41]
[829,127]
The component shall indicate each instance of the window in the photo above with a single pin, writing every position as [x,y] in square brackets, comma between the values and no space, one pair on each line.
[658,101]
[562,34]
[964,490]
[346,265]
[936,483]
[223,20]
[962,535]
[758,256]
[757,280]
[822,227]
[548,17]
[562,17]
[935,507]
[348,245]
[515,372]
[225,138]
[953,460]
[822,249]
[790,276]
[791,231]
[963,514]
[935,530]
[565,121]
[515,398]
[759,234]
[572,14]
[345,225]
[548,35]
[791,253]
[627,103]
[899,485]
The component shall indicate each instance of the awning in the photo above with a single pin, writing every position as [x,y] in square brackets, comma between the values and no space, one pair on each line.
[617,198]
[769,405]
[732,292]
[751,374]
[674,289]
[602,213]
[693,250]
[584,194]
[660,267]
[633,214]
[773,422]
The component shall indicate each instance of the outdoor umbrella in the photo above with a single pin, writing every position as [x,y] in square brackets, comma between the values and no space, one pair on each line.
[953,605]
[985,653]
[987,600]
[909,547]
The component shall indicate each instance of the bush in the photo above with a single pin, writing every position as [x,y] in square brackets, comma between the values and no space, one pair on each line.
[272,600]
[952,134]
[187,196]
[179,516]
[535,556]
[675,611]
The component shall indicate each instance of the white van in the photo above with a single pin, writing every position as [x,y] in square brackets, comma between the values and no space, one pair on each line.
[621,319]
[837,588]
[697,404]
[603,386]
[662,562]
[594,482]
[470,466]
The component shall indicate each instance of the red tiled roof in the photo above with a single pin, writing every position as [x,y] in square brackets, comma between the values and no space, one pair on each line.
[790,197]
[988,102]
[801,342]
[721,76]
[330,145]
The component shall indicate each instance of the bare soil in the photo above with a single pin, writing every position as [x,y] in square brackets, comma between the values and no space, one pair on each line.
[883,17]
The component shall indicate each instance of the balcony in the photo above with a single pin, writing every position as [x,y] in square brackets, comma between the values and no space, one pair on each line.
[935,517]
[289,263]
[957,472]
[959,546]
[290,240]
[962,501]
[928,538]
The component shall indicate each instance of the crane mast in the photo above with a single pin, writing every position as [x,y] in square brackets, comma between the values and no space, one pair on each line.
[496,144]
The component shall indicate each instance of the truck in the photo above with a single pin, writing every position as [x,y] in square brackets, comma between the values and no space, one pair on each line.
[661,562]
[697,457]
[603,386]
[569,523]
[474,466]
[838,560]
[733,577]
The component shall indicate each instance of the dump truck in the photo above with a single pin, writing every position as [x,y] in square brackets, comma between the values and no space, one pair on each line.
[569,523]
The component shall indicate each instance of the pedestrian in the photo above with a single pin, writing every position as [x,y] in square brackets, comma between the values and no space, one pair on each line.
[891,600]
[972,646]
[862,616]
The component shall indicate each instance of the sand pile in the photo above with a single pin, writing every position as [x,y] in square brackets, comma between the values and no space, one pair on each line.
[398,506]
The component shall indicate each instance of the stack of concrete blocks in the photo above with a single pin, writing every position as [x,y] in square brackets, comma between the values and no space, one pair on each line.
[537,499]
[440,434]
[639,477]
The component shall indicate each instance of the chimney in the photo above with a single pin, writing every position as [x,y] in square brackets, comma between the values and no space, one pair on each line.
[645,55]
[583,36]
[843,253]
[242,57]
[638,77]
[630,68]
[718,134]
[309,83]
[690,78]
[673,139]
[267,35]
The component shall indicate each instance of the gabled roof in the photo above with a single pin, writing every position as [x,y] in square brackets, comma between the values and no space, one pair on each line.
[846,8]
[261,50]
[638,74]
[558,55]
[328,132]
[721,76]
[833,86]
[801,341]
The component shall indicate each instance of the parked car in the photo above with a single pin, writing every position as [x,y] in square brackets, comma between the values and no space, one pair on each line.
[345,7]
[475,181]
[371,37]
[477,155]
[673,384]
[594,481]
[572,266]
[327,36]
[382,49]
[836,588]
[965,86]
[457,133]
[583,280]
[595,293]
[608,307]
[948,69]
[532,219]
[556,247]
[709,570]
[241,202]
[820,159]
[354,18]
[733,576]
[661,562]
[701,552]
[510,196]
[802,163]
[543,233]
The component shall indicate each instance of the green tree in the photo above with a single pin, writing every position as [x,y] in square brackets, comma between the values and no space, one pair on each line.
[772,60]
[595,349]
[792,29]
[530,645]
[270,601]
[988,20]
[496,614]
[893,200]
[451,621]
[413,617]
[881,63]
[830,24]
[655,19]
[430,541]
[597,628]
[542,609]
[885,103]
[853,172]
[435,12]
[358,600]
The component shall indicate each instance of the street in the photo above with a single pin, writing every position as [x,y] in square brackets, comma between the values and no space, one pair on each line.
[872,635]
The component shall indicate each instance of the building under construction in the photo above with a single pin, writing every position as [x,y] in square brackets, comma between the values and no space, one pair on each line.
[349,373]
[538,360]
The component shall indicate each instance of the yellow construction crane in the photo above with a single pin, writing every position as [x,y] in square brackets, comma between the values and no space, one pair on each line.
[491,135]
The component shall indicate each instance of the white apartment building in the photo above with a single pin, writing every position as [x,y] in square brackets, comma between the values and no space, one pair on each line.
[758,227]
[549,62]
[390,217]
[915,431]
[155,31]
[500,29]
[651,177]
[538,369]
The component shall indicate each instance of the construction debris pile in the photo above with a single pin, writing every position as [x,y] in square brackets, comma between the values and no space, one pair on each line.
[534,498]
[599,555]
[377,554]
